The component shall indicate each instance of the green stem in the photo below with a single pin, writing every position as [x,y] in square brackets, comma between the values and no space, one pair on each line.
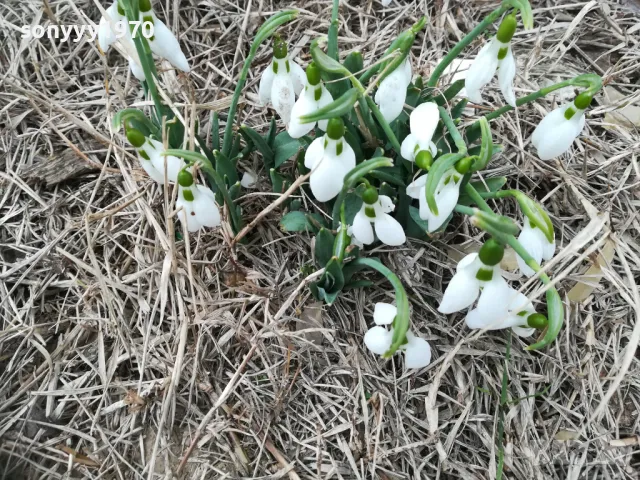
[401,322]
[462,44]
[465,210]
[384,124]
[501,408]
[477,197]
[453,130]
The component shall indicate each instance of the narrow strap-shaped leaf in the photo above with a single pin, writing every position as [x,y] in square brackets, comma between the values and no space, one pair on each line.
[250,135]
[339,107]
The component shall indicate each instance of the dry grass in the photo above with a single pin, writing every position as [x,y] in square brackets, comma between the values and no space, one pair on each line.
[117,339]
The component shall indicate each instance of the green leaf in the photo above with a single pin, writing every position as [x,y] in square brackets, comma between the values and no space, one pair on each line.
[332,282]
[134,114]
[300,222]
[415,216]
[352,205]
[449,94]
[486,146]
[456,111]
[337,108]
[494,184]
[279,182]
[285,147]
[324,247]
[271,134]
[555,314]
[225,167]
[354,62]
[438,170]
[269,27]
[215,131]
[250,135]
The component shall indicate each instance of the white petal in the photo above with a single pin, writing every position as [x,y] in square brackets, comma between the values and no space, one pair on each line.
[362,228]
[446,201]
[424,121]
[469,262]
[187,213]
[266,82]
[506,75]
[392,94]
[378,340]
[518,303]
[248,179]
[314,153]
[408,148]
[492,310]
[531,243]
[384,313]
[389,230]
[325,100]
[166,45]
[416,188]
[106,36]
[417,353]
[548,249]
[136,69]
[347,157]
[482,70]
[283,97]
[327,178]
[386,204]
[523,331]
[298,77]
[461,292]
[205,207]
[548,124]
[303,106]
[151,170]
[406,65]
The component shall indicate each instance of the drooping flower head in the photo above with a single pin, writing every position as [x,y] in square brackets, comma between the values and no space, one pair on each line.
[378,339]
[495,55]
[392,91]
[314,96]
[557,131]
[329,158]
[536,243]
[375,209]
[423,122]
[152,158]
[281,81]
[196,204]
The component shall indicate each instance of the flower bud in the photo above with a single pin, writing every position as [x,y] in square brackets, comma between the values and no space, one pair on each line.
[335,128]
[491,252]
[583,101]
[279,47]
[464,165]
[538,321]
[135,137]
[424,159]
[507,29]
[370,195]
[185,179]
[313,74]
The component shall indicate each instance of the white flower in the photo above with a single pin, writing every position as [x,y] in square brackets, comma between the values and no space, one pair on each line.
[106,35]
[502,307]
[422,123]
[281,81]
[392,91]
[555,133]
[329,158]
[163,42]
[199,207]
[378,339]
[152,160]
[249,179]
[464,288]
[492,56]
[446,197]
[535,242]
[314,96]
[388,230]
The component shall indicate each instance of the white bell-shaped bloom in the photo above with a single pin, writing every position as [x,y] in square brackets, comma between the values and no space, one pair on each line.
[153,161]
[446,198]
[163,42]
[555,133]
[392,91]
[493,56]
[329,158]
[314,96]
[106,35]
[281,82]
[197,206]
[499,307]
[464,288]
[536,243]
[387,228]
[378,339]
[422,123]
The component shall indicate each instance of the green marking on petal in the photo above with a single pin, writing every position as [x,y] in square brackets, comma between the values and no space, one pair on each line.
[287,66]
[143,154]
[188,195]
[485,274]
[275,67]
[339,148]
[370,212]
[569,113]
[317,94]
[502,53]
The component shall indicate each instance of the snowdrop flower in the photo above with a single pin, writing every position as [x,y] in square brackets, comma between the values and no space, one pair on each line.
[476,271]
[199,207]
[163,43]
[536,243]
[516,313]
[392,91]
[495,55]
[314,96]
[281,81]
[378,339]
[329,158]
[375,209]
[422,123]
[152,158]
[447,192]
[557,131]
